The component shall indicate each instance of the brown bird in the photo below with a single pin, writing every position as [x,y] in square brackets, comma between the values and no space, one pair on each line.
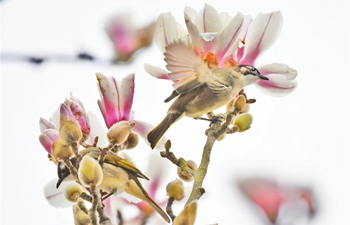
[199,90]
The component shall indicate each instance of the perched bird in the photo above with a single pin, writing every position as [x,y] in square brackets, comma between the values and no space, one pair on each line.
[198,89]
[118,175]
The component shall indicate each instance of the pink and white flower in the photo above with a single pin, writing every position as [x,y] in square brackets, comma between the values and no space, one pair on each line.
[276,200]
[126,38]
[116,103]
[223,41]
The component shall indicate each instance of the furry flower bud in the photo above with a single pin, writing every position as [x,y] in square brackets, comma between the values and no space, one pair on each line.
[61,151]
[90,172]
[73,191]
[119,132]
[70,132]
[176,189]
[188,215]
[132,141]
[243,122]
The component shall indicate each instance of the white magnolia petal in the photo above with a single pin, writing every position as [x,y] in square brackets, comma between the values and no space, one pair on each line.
[143,128]
[156,72]
[262,34]
[97,130]
[208,20]
[56,196]
[195,36]
[279,68]
[228,39]
[225,19]
[191,13]
[45,124]
[166,30]
[237,51]
[277,86]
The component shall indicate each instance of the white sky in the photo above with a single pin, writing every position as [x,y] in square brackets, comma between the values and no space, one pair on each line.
[301,139]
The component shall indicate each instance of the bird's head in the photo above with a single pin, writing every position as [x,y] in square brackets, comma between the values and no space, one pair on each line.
[251,74]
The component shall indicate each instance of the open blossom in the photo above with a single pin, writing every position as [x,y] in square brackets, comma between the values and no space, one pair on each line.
[116,103]
[223,41]
[275,199]
[126,38]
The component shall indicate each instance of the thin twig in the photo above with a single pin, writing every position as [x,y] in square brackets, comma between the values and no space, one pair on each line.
[168,208]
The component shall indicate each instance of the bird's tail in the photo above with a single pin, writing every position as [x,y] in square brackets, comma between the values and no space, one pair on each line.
[136,189]
[155,135]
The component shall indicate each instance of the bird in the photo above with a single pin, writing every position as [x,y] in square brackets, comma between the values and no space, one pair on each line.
[197,89]
[118,175]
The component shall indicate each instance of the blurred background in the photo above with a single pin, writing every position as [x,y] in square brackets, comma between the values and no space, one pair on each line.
[300,141]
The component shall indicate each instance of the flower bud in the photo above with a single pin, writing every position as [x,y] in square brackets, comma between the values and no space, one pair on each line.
[243,122]
[240,103]
[176,189]
[60,151]
[73,191]
[188,215]
[186,176]
[47,138]
[132,141]
[90,172]
[119,132]
[70,133]
[80,217]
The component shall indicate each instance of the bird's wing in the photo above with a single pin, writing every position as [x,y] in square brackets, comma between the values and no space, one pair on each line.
[188,70]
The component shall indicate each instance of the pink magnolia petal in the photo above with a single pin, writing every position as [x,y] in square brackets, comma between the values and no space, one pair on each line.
[228,38]
[45,124]
[109,99]
[121,32]
[262,34]
[56,196]
[143,128]
[66,113]
[79,113]
[47,138]
[277,68]
[166,30]
[277,85]
[265,194]
[208,20]
[126,95]
[156,72]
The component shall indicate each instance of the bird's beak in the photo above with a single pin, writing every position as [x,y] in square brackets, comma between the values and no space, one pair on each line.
[263,77]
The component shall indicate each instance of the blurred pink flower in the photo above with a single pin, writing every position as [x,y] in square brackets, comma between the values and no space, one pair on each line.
[116,103]
[126,38]
[223,41]
[272,197]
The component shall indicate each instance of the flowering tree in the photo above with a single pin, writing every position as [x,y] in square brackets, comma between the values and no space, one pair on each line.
[210,65]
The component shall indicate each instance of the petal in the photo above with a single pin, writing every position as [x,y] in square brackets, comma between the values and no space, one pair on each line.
[66,113]
[228,39]
[122,33]
[278,68]
[45,124]
[225,19]
[47,138]
[79,113]
[143,128]
[126,95]
[208,20]
[56,196]
[238,52]
[277,85]
[97,131]
[109,99]
[191,13]
[264,193]
[262,34]
[156,72]
[193,31]
[166,30]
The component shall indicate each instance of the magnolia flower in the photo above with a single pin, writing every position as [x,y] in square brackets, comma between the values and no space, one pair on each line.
[223,41]
[275,199]
[116,104]
[126,38]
